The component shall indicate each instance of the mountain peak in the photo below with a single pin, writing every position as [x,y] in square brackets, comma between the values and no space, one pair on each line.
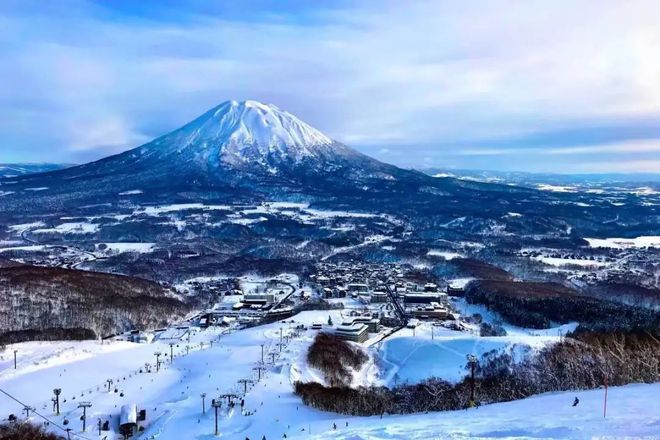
[240,133]
[252,122]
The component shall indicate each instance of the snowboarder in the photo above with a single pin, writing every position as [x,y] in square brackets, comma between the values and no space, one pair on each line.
[576,401]
[334,426]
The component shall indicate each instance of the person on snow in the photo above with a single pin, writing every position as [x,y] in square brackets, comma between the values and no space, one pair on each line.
[576,401]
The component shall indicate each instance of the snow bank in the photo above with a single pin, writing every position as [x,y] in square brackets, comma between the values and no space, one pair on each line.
[447,255]
[623,243]
[70,228]
[118,248]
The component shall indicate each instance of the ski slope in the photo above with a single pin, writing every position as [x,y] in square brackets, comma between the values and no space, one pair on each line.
[633,413]
[216,359]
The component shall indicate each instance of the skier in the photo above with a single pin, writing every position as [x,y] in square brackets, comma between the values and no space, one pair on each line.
[576,401]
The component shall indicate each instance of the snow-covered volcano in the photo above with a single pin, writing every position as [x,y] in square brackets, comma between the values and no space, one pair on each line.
[235,148]
[245,135]
[238,150]
[242,133]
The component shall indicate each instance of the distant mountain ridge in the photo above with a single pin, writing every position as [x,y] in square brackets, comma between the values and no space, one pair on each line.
[532,179]
[20,169]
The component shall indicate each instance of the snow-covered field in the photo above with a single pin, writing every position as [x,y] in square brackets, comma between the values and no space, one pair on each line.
[118,248]
[622,243]
[559,262]
[217,359]
[70,228]
[442,353]
[447,255]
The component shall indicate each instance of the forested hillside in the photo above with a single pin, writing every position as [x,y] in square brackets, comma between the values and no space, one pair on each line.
[36,299]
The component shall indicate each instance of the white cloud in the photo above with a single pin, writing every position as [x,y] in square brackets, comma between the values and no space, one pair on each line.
[625,166]
[110,134]
[371,73]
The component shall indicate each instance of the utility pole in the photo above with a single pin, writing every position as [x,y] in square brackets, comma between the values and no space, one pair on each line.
[272,355]
[68,433]
[84,406]
[215,403]
[157,354]
[262,353]
[187,349]
[280,345]
[259,369]
[171,352]
[15,351]
[472,360]
[245,383]
[281,334]
[57,392]
[109,382]
[203,395]
[432,332]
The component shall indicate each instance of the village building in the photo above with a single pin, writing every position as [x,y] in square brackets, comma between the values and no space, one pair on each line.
[379,297]
[261,299]
[355,332]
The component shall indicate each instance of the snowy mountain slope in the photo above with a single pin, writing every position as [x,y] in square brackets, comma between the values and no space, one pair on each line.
[173,401]
[244,135]
[239,131]
[632,413]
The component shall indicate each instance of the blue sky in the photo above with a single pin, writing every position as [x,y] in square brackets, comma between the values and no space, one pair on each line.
[549,86]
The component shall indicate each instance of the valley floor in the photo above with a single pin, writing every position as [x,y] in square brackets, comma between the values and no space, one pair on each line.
[217,359]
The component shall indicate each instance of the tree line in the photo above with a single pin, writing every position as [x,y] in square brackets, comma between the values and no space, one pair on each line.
[585,360]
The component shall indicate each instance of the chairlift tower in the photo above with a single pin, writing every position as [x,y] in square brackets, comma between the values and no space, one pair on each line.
[472,360]
[229,396]
[84,406]
[57,392]
[259,368]
[157,354]
[245,383]
[216,404]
